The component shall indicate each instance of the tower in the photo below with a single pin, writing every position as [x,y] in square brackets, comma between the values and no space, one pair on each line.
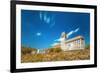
[63,35]
[63,41]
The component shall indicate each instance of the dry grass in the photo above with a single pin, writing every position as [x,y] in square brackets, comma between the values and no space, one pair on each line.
[57,56]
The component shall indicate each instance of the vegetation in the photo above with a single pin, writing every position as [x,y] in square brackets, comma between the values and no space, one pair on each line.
[54,50]
[25,50]
[55,54]
[87,46]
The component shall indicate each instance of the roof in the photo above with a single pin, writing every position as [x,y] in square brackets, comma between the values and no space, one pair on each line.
[73,39]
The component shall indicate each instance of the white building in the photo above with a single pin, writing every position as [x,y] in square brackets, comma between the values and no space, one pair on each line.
[71,44]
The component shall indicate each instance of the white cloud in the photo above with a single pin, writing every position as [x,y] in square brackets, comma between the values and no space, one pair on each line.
[45,17]
[76,29]
[52,24]
[40,15]
[60,39]
[38,34]
[48,20]
[72,32]
[54,44]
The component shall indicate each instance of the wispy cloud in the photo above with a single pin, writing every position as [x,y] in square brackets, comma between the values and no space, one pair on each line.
[72,32]
[54,44]
[52,24]
[76,30]
[44,17]
[40,15]
[69,34]
[60,39]
[47,19]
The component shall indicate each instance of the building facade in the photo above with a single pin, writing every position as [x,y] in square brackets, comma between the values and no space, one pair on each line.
[75,43]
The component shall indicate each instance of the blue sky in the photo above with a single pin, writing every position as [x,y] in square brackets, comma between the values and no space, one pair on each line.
[40,29]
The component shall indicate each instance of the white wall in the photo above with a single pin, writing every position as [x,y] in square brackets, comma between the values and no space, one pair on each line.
[5,36]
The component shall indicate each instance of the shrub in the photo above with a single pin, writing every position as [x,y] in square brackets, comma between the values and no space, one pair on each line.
[56,50]
[25,50]
[87,46]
